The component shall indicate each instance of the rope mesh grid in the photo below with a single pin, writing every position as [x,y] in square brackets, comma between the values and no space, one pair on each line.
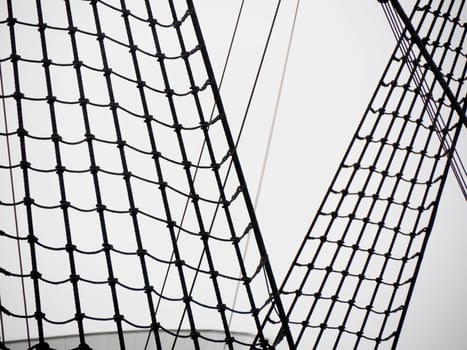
[108,106]
[124,226]
[351,280]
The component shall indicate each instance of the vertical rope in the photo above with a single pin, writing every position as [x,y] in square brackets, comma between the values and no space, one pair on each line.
[94,169]
[74,279]
[15,216]
[173,235]
[28,200]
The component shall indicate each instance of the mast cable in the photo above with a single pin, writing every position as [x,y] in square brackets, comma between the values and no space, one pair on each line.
[271,132]
[15,213]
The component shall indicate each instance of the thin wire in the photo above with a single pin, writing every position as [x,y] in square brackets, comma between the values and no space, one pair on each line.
[258,72]
[276,107]
[271,133]
[15,214]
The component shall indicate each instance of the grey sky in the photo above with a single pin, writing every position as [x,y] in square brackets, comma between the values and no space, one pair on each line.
[339,51]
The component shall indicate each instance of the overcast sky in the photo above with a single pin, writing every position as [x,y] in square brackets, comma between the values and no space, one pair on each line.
[338,54]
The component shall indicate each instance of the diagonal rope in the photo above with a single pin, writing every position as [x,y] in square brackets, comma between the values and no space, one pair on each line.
[246,113]
[457,165]
[271,132]
[339,236]
[203,146]
[250,99]
[428,58]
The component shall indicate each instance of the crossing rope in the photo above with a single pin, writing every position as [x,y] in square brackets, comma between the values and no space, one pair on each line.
[352,278]
[152,180]
[132,201]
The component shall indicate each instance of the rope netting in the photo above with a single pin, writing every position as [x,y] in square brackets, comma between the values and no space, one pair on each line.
[352,278]
[124,208]
[115,220]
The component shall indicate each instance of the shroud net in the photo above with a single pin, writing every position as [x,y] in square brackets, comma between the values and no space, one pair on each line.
[114,221]
[350,283]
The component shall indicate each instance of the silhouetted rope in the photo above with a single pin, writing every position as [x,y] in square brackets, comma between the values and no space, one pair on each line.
[224,69]
[107,109]
[13,197]
[353,276]
[240,133]
[457,165]
[99,151]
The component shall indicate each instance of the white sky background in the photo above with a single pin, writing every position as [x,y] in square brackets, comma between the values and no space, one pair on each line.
[338,54]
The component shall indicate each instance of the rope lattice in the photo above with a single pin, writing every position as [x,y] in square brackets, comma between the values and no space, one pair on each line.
[107,106]
[112,219]
[351,281]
